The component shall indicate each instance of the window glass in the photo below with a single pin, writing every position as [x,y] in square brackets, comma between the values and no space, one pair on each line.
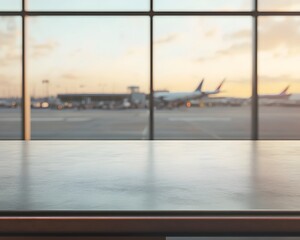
[279,5]
[10,78]
[10,5]
[202,5]
[89,5]
[279,84]
[89,77]
[202,77]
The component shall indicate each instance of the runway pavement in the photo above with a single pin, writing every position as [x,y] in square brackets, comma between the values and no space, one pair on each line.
[195,123]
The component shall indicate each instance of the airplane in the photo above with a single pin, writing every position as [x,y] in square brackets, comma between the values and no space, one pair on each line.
[172,99]
[281,95]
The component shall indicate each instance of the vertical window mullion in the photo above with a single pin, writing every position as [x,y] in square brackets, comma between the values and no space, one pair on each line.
[26,121]
[151,100]
[254,114]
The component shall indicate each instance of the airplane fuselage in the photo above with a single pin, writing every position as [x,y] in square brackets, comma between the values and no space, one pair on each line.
[177,96]
[274,96]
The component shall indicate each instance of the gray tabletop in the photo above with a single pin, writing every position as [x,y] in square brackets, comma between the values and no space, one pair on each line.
[149,176]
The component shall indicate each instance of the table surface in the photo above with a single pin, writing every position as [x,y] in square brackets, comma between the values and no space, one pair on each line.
[149,176]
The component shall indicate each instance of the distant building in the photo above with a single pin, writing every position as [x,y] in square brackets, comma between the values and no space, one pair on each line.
[106,101]
[92,97]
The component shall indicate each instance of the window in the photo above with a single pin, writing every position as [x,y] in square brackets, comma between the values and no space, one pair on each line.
[10,5]
[133,69]
[279,5]
[88,5]
[279,77]
[81,73]
[204,5]
[189,51]
[10,77]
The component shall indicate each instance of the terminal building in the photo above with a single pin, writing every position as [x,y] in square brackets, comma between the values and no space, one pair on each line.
[133,99]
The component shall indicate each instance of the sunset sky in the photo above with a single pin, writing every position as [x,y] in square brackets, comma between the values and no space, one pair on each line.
[107,54]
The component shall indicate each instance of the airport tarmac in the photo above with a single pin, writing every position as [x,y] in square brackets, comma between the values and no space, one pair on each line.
[195,123]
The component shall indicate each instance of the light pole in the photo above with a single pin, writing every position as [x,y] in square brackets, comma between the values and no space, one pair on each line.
[46,82]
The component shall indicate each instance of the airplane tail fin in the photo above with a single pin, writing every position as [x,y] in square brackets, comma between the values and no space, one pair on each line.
[220,86]
[285,90]
[199,88]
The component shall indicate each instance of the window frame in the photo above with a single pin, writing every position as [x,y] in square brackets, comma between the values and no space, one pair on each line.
[254,13]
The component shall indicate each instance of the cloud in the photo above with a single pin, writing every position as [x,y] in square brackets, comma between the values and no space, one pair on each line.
[43,49]
[9,32]
[166,39]
[7,39]
[280,32]
[279,36]
[138,50]
[10,58]
[233,50]
[69,76]
[10,41]
[211,33]
[282,78]
[241,35]
[279,5]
